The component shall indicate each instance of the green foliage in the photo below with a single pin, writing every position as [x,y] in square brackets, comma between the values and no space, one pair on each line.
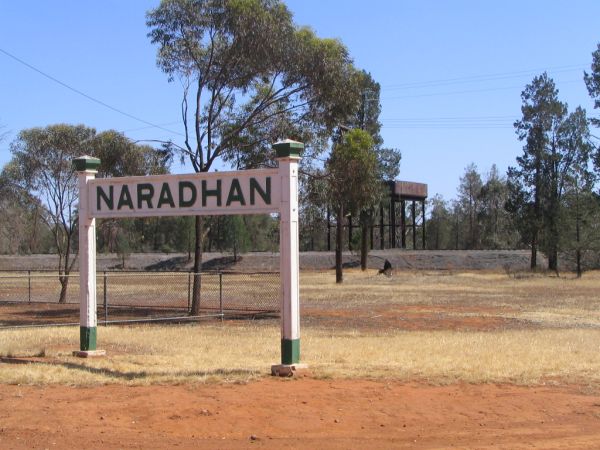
[497,227]
[469,195]
[119,156]
[40,176]
[352,173]
[253,75]
[236,238]
[580,226]
[22,228]
[353,182]
[250,78]
[439,225]
[557,148]
[388,160]
[592,82]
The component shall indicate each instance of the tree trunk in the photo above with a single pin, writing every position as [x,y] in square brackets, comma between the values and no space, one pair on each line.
[553,229]
[195,309]
[339,277]
[578,236]
[553,258]
[64,283]
[533,262]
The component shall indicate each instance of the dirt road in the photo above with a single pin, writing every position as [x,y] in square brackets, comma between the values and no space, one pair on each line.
[300,413]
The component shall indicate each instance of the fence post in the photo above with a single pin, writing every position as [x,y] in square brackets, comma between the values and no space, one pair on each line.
[221,295]
[105,300]
[29,285]
[189,291]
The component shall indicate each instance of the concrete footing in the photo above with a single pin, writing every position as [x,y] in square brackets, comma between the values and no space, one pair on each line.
[288,370]
[89,353]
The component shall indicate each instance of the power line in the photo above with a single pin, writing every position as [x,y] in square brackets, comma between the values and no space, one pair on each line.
[89,97]
[455,122]
[447,127]
[454,118]
[150,126]
[480,78]
[467,91]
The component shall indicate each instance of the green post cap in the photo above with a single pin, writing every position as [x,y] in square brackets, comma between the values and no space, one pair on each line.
[85,162]
[288,148]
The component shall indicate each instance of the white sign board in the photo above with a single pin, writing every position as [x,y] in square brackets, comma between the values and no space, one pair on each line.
[215,193]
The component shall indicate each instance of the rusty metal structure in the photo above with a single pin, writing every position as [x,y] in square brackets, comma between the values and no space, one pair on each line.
[390,222]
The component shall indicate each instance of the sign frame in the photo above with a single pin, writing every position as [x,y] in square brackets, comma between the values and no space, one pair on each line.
[278,195]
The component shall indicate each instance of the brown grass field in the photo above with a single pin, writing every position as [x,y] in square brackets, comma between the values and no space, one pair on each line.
[427,359]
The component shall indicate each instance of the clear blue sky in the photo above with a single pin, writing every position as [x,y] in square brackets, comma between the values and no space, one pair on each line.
[451,71]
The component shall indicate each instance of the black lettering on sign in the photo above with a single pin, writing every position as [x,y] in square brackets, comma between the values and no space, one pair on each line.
[235,193]
[183,185]
[264,194]
[165,196]
[145,192]
[125,198]
[108,200]
[211,193]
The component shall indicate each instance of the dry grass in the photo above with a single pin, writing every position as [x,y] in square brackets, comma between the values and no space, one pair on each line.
[175,354]
[561,345]
[547,300]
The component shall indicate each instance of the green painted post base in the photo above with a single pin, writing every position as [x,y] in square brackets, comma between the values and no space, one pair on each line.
[290,351]
[87,338]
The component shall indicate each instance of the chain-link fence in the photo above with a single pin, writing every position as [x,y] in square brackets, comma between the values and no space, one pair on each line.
[33,297]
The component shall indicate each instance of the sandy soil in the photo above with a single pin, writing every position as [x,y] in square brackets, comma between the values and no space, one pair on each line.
[300,413]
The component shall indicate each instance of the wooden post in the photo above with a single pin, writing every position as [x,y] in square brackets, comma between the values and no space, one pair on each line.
[414,224]
[423,224]
[86,167]
[403,224]
[288,155]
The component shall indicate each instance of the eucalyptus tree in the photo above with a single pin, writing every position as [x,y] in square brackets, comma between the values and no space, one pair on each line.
[366,117]
[21,227]
[40,168]
[353,182]
[250,77]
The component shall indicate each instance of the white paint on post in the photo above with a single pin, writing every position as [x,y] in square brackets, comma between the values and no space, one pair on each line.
[87,254]
[289,250]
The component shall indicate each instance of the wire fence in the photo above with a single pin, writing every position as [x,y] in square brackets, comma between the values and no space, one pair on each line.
[31,297]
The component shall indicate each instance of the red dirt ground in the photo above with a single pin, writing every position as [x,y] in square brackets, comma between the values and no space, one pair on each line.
[300,413]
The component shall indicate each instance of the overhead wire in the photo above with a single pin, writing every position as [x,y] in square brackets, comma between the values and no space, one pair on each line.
[480,78]
[87,96]
[467,91]
[483,122]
